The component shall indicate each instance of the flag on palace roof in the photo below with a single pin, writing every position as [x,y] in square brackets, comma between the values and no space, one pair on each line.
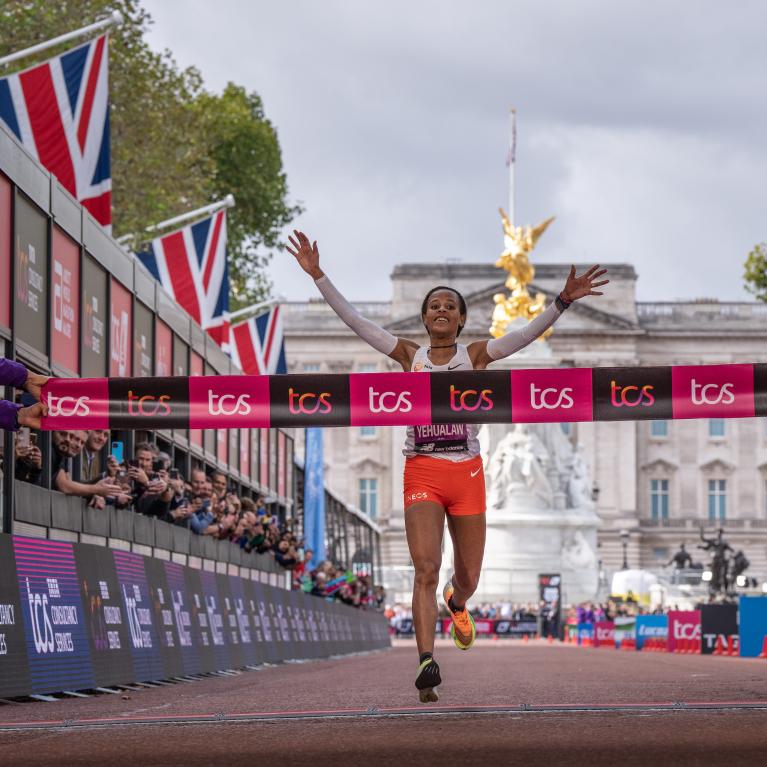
[258,344]
[59,111]
[191,265]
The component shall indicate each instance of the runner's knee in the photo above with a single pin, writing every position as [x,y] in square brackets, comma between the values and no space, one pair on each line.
[427,574]
[466,581]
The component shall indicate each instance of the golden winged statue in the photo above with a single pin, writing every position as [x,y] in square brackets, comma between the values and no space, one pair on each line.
[519,242]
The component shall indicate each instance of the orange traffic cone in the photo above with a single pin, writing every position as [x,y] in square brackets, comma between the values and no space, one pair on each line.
[525,638]
[763,653]
[732,645]
[550,639]
[719,648]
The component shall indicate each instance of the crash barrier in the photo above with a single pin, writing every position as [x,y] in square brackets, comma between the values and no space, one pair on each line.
[394,399]
[719,629]
[76,617]
[486,627]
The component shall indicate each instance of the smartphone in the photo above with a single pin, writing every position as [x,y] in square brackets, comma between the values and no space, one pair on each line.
[174,474]
[23,440]
[32,439]
[133,463]
[117,451]
[158,464]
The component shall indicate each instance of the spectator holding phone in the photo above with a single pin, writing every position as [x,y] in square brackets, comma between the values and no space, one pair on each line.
[29,459]
[66,445]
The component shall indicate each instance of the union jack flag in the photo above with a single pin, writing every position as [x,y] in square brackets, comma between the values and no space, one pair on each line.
[59,111]
[191,265]
[258,344]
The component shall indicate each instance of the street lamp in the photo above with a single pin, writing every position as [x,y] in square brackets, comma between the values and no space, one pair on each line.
[624,536]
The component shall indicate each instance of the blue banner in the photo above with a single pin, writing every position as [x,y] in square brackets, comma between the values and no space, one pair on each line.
[314,496]
[650,627]
[753,625]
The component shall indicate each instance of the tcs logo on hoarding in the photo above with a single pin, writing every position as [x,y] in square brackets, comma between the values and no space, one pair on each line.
[148,404]
[686,630]
[309,403]
[470,399]
[398,402]
[68,406]
[228,404]
[711,394]
[42,627]
[544,398]
[631,396]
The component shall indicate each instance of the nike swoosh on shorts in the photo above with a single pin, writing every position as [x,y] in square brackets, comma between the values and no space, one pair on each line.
[475,472]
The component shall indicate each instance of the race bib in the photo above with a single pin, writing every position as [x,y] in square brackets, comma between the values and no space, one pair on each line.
[441,438]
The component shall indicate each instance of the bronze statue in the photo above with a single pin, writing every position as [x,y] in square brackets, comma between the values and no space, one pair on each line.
[681,560]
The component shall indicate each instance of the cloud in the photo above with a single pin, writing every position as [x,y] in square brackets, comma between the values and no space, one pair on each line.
[640,127]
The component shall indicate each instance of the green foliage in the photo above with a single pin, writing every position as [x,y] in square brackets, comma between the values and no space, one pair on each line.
[175,147]
[755,274]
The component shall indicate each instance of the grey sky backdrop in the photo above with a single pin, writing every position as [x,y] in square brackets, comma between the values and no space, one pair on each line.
[641,126]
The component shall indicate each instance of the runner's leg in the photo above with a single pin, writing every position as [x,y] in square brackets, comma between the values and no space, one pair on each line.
[468,534]
[424,526]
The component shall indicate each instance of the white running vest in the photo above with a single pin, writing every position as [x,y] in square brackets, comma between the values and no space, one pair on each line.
[453,442]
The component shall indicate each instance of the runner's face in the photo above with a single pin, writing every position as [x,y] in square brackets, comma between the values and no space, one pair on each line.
[443,315]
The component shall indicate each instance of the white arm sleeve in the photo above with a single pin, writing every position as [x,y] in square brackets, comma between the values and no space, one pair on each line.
[381,340]
[514,340]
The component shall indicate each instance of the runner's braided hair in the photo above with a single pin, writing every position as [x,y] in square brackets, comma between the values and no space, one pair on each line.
[461,303]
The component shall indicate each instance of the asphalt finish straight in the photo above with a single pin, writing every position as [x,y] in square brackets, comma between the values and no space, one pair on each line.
[504,702]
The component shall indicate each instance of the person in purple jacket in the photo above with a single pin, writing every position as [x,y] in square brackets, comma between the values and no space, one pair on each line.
[12,416]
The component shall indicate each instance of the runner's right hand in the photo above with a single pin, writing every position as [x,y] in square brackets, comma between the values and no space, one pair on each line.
[307,255]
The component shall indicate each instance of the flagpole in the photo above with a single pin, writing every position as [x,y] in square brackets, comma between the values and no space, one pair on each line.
[253,308]
[227,202]
[114,19]
[512,163]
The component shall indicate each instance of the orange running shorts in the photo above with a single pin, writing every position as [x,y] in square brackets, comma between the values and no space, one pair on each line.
[459,486]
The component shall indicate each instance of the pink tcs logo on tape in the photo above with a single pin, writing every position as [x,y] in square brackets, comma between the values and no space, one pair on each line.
[558,396]
[76,403]
[713,391]
[390,399]
[216,401]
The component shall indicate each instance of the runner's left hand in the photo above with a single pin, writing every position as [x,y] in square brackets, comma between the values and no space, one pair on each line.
[578,287]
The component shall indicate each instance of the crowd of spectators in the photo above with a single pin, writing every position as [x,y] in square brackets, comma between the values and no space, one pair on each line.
[206,504]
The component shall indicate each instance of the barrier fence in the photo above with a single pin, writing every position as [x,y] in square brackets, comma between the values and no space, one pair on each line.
[426,401]
[75,617]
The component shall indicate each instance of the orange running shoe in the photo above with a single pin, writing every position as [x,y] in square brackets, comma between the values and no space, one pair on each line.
[462,630]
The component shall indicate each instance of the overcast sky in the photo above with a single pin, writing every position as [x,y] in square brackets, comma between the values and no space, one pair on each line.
[641,127]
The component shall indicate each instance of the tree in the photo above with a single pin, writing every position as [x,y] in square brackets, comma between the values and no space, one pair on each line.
[171,149]
[755,274]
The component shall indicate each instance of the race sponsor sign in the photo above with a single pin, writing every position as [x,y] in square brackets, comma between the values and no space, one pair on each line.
[75,616]
[650,627]
[719,624]
[753,625]
[682,625]
[604,634]
[401,399]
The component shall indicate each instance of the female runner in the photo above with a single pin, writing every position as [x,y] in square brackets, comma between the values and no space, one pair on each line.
[444,476]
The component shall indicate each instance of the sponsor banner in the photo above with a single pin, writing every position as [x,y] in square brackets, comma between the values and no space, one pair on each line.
[57,646]
[65,309]
[604,634]
[428,401]
[625,628]
[482,396]
[718,621]
[74,616]
[105,617]
[636,393]
[14,669]
[585,631]
[650,627]
[385,399]
[713,391]
[558,396]
[682,625]
[515,627]
[753,626]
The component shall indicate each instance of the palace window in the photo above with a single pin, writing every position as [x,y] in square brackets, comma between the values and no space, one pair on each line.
[369,497]
[659,498]
[716,427]
[717,500]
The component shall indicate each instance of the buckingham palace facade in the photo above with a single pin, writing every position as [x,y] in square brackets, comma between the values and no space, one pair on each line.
[659,480]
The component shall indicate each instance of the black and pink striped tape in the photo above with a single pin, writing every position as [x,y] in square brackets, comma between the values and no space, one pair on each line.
[391,399]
